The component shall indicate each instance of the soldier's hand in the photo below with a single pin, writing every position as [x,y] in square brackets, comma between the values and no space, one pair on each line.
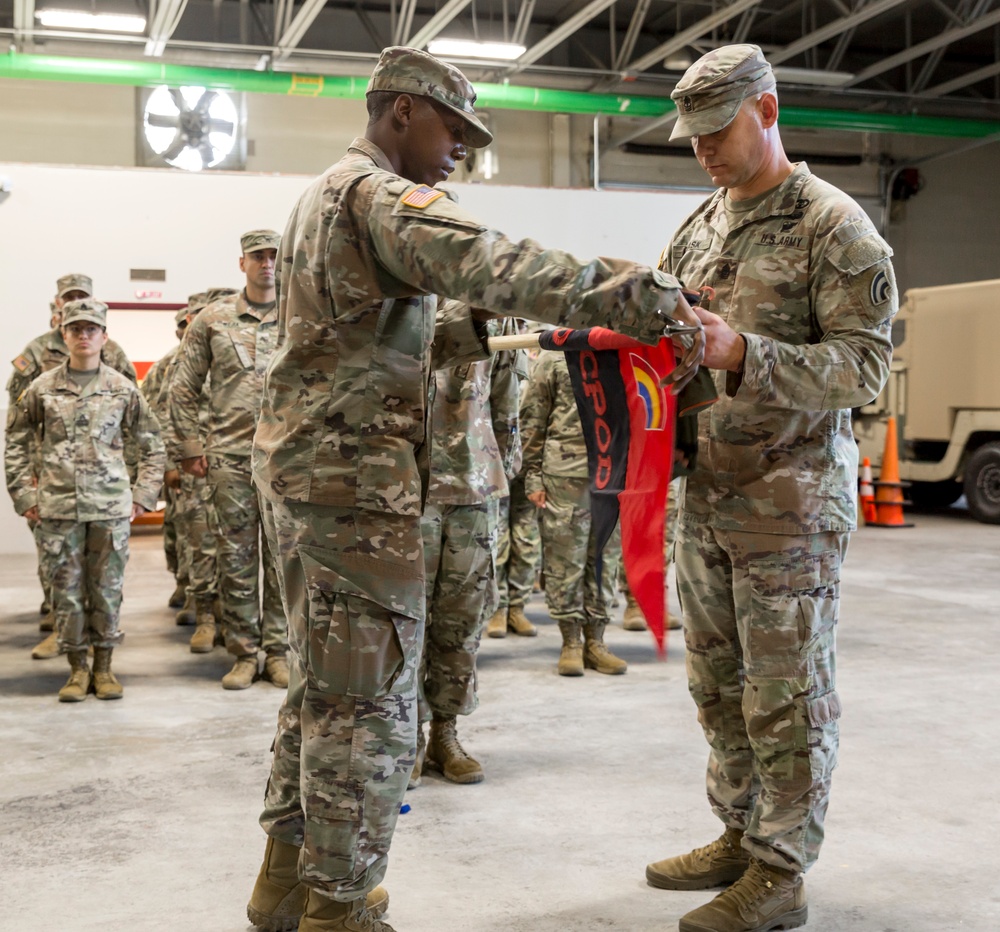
[195,466]
[32,513]
[724,347]
[172,479]
[137,510]
[537,498]
[691,346]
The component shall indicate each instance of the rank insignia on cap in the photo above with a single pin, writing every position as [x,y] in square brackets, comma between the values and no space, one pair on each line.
[21,363]
[421,196]
[688,105]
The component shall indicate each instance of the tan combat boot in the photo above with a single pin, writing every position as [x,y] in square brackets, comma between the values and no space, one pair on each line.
[243,673]
[721,862]
[519,624]
[596,655]
[571,655]
[188,615]
[106,685]
[633,619]
[203,639]
[447,756]
[78,684]
[496,627]
[276,670]
[764,898]
[46,649]
[178,596]
[326,915]
[418,763]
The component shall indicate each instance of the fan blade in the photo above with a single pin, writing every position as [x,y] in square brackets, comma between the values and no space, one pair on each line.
[176,148]
[178,99]
[162,121]
[219,126]
[204,102]
[207,152]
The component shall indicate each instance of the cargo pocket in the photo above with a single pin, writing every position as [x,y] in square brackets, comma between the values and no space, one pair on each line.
[51,543]
[120,533]
[794,611]
[334,811]
[822,714]
[360,640]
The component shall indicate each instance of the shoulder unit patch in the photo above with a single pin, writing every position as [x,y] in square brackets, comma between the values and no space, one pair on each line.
[21,363]
[420,197]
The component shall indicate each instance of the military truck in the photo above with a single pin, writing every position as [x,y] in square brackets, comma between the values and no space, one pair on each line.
[944,391]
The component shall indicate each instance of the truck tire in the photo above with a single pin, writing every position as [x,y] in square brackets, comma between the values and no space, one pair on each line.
[982,483]
[935,494]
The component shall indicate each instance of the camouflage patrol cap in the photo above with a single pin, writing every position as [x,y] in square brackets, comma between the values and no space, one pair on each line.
[213,294]
[710,92]
[256,240]
[196,303]
[74,282]
[411,71]
[85,309]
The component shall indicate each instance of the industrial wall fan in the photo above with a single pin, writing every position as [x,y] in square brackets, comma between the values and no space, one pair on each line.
[192,128]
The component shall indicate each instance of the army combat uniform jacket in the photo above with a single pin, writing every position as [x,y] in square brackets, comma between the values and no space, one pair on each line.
[344,415]
[804,276]
[81,436]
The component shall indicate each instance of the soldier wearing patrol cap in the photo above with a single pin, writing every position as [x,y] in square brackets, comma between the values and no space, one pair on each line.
[42,354]
[224,352]
[81,415]
[340,458]
[801,298]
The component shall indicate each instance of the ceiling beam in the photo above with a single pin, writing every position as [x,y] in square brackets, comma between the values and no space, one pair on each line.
[437,22]
[632,34]
[684,38]
[163,21]
[560,34]
[964,80]
[24,20]
[523,21]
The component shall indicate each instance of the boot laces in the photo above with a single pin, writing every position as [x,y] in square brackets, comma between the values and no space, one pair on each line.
[449,743]
[721,847]
[751,888]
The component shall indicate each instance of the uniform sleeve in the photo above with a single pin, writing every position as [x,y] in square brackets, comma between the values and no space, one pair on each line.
[439,249]
[458,339]
[536,408]
[853,295]
[185,383]
[22,421]
[143,429]
[25,372]
[509,368]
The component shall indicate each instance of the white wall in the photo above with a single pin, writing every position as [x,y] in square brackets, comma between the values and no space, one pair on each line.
[105,221]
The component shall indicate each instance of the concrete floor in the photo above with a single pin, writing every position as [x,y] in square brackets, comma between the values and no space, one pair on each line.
[141,814]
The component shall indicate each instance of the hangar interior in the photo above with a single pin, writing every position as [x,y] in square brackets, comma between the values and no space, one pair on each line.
[143,813]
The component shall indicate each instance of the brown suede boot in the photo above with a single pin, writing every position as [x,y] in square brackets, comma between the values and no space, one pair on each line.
[106,685]
[571,655]
[326,915]
[496,627]
[764,898]
[243,673]
[188,615]
[278,899]
[518,622]
[633,619]
[203,639]
[596,655]
[446,755]
[177,597]
[47,649]
[78,684]
[276,670]
[721,862]
[418,764]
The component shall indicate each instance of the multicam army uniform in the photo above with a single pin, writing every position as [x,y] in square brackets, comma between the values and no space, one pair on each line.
[340,454]
[801,273]
[231,342]
[555,462]
[474,443]
[83,493]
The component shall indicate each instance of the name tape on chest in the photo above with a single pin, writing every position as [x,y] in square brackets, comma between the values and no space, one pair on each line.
[421,197]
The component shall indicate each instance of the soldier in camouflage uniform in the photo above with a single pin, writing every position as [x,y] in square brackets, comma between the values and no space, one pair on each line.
[798,327]
[227,347]
[340,456]
[80,415]
[42,354]
[474,448]
[556,480]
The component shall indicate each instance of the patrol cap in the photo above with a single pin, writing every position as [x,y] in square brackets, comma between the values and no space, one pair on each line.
[256,240]
[411,71]
[89,309]
[213,294]
[710,92]
[196,303]
[75,281]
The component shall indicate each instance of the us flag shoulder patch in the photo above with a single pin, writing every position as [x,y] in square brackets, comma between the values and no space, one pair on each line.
[421,196]
[22,363]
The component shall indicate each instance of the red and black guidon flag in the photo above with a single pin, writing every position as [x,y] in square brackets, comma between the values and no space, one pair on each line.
[628,422]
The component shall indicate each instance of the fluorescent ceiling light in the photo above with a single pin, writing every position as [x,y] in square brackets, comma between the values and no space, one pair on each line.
[467,48]
[78,19]
[812,76]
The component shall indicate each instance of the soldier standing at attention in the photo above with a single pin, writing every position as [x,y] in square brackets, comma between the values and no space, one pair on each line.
[341,459]
[81,414]
[557,482]
[42,354]
[230,344]
[798,328]
[474,449]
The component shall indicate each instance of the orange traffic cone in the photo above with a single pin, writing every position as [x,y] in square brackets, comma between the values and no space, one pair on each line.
[889,499]
[866,492]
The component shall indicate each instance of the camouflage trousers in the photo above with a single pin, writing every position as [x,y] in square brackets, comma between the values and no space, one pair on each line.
[196,540]
[172,548]
[252,619]
[760,616]
[519,547]
[353,588]
[43,567]
[461,596]
[572,592]
[86,563]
